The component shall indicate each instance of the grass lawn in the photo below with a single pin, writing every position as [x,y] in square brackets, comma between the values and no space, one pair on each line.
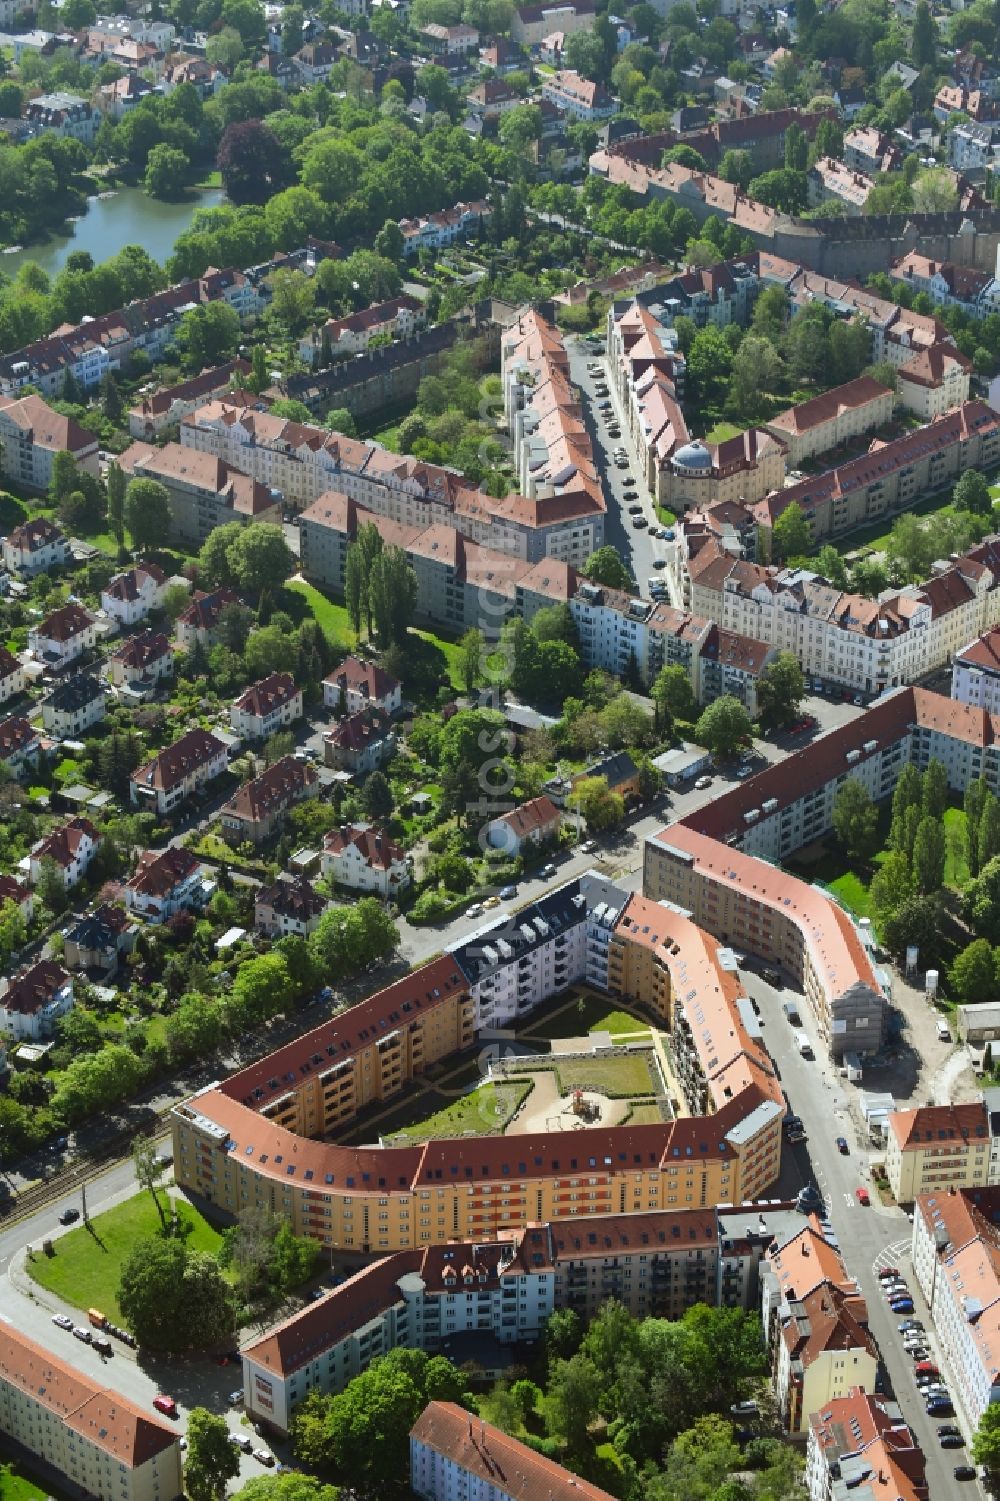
[589,1014]
[645,1115]
[211,179]
[87,1263]
[485,1111]
[333,619]
[956,864]
[15,1486]
[387,436]
[721,431]
[851,892]
[617,1077]
[875,537]
[452,653]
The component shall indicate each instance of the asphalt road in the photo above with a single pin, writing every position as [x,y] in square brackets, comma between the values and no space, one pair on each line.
[868,1238]
[638,549]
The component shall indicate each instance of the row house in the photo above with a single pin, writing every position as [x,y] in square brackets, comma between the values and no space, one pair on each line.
[35,547]
[258,809]
[130,597]
[270,705]
[398,318]
[301,462]
[137,667]
[178,772]
[288,908]
[64,635]
[357,684]
[73,706]
[71,849]
[32,434]
[33,1001]
[363,858]
[166,882]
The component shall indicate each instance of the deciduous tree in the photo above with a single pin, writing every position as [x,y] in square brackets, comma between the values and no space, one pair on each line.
[723,726]
[855,820]
[211,1459]
[147,513]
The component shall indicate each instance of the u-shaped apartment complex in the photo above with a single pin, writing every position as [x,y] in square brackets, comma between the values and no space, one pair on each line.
[262,1138]
[267,1136]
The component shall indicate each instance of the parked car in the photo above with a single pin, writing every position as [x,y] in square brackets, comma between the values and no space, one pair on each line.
[886,1273]
[902,1305]
[507,893]
[264,1457]
[69,1216]
[863,1197]
[166,1405]
[964,1472]
[82,1334]
[948,1430]
[701,784]
[62,1321]
[842,1146]
[547,872]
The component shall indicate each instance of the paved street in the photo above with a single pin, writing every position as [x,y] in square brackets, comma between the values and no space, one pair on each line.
[868,1238]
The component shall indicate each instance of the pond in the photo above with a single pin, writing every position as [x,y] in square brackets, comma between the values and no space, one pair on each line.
[127,217]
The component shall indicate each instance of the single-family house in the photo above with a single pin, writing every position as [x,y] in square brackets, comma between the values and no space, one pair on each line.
[35,547]
[266,707]
[533,823]
[357,684]
[200,621]
[20,745]
[13,678]
[71,848]
[65,634]
[97,942]
[365,859]
[13,890]
[140,663]
[32,1003]
[288,907]
[166,882]
[130,596]
[361,742]
[73,706]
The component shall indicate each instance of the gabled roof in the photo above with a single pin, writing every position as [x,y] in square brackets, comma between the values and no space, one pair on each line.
[63,845]
[539,813]
[32,989]
[167,770]
[375,848]
[281,784]
[497,1461]
[159,872]
[270,693]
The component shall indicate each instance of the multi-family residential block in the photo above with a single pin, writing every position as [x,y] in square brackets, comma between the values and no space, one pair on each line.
[71,847]
[139,665]
[948,284]
[65,634]
[166,882]
[266,707]
[578,97]
[73,706]
[129,597]
[357,684]
[457,1458]
[204,491]
[179,771]
[32,434]
[32,1002]
[934,381]
[151,417]
[258,809]
[399,317]
[288,907]
[825,422]
[861,1441]
[938,1148]
[365,859]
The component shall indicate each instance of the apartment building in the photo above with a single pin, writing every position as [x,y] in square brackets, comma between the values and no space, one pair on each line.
[140,663]
[65,634]
[337,338]
[435,231]
[759,908]
[825,422]
[533,23]
[99,1440]
[360,743]
[956,1260]
[936,1148]
[948,284]
[860,1443]
[270,705]
[934,381]
[830,180]
[33,1001]
[365,859]
[74,706]
[35,547]
[178,772]
[577,97]
[868,645]
[457,1458]
[204,491]
[258,810]
[975,673]
[71,848]
[871,151]
[66,115]
[129,597]
[166,882]
[302,463]
[892,476]
[288,907]
[32,434]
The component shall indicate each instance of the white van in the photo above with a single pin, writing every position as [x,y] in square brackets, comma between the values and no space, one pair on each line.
[943,1030]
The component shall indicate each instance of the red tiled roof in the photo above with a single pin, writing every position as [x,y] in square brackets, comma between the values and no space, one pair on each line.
[928,1124]
[275,789]
[33,988]
[16,735]
[539,813]
[270,693]
[359,730]
[375,848]
[497,1460]
[65,623]
[142,649]
[63,845]
[158,872]
[167,770]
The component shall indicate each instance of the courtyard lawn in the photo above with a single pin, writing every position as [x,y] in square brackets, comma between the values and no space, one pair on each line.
[852,893]
[956,864]
[644,1115]
[15,1486]
[86,1266]
[484,1112]
[620,1077]
[333,620]
[721,431]
[589,1013]
[451,652]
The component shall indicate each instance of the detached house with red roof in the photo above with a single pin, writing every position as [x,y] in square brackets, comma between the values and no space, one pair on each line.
[265,707]
[365,859]
[200,621]
[35,547]
[258,809]
[140,663]
[72,848]
[166,882]
[129,597]
[64,635]
[578,97]
[31,1004]
[360,743]
[288,907]
[193,761]
[20,745]
[356,685]
[533,823]
[13,678]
